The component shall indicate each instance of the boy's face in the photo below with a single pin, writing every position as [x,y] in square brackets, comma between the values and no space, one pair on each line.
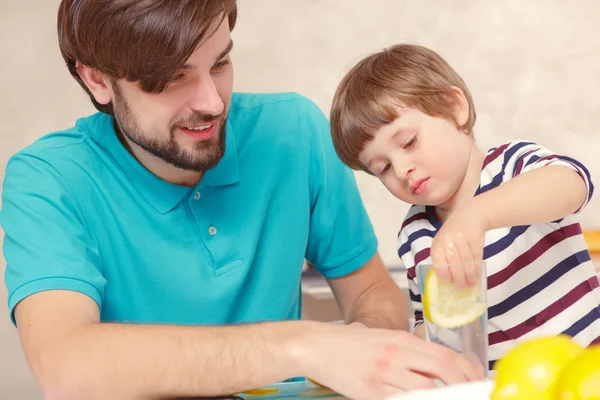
[185,124]
[420,159]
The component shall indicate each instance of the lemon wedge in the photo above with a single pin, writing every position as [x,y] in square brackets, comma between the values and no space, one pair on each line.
[446,306]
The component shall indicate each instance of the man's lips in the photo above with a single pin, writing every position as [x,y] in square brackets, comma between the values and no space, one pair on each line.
[201,132]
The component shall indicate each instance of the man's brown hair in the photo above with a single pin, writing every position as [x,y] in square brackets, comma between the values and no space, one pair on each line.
[370,94]
[144,41]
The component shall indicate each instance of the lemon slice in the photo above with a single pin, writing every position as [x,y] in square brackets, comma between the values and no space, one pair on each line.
[448,307]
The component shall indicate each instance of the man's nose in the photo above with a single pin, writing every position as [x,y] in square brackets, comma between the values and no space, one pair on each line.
[206,98]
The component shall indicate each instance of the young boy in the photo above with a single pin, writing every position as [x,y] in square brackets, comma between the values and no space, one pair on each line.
[405,116]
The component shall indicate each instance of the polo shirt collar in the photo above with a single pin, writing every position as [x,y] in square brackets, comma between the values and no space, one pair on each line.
[162,195]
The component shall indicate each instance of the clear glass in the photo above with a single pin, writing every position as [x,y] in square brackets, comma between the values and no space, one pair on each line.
[470,339]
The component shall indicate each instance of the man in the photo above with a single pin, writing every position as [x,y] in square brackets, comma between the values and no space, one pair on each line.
[154,250]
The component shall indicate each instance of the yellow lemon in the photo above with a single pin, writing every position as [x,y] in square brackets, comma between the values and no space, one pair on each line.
[530,369]
[446,306]
[580,379]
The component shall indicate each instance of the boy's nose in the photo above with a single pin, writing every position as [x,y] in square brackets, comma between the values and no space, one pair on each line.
[402,170]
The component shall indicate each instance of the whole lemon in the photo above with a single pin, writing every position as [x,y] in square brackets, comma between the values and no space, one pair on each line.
[529,370]
[580,379]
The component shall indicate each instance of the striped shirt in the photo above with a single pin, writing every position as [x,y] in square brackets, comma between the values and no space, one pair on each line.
[540,278]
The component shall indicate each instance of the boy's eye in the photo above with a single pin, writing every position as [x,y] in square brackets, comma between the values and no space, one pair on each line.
[411,142]
[385,169]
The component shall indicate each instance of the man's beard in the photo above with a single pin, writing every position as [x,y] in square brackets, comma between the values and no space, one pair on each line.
[205,155]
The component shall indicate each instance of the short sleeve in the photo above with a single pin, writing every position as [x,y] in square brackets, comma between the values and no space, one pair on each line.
[521,157]
[341,238]
[408,260]
[46,244]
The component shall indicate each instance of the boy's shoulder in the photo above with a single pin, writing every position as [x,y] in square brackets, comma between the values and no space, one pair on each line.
[498,157]
[416,218]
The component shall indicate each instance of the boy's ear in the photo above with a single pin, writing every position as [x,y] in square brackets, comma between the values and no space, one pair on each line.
[461,106]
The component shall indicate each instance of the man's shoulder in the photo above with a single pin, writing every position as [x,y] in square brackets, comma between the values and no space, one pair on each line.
[274,109]
[60,151]
[248,101]
[276,119]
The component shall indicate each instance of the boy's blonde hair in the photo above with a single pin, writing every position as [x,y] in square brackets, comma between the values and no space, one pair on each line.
[370,94]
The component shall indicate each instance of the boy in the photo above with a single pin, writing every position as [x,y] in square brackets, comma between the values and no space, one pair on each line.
[405,116]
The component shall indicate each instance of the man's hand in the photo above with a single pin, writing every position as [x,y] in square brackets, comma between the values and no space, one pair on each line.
[357,324]
[457,248]
[374,363]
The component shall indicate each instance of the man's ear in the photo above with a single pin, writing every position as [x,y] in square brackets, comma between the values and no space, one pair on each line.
[461,107]
[97,83]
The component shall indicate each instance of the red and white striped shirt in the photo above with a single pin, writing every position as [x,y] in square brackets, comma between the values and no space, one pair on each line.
[540,278]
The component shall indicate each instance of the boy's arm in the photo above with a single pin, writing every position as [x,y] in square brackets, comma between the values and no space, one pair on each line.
[538,196]
[538,187]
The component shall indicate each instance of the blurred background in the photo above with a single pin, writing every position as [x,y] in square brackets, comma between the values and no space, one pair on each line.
[531,66]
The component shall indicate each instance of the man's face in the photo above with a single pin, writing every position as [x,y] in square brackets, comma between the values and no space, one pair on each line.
[185,124]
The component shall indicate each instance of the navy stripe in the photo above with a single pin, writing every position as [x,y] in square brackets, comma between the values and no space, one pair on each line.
[583,169]
[532,160]
[511,152]
[504,243]
[583,323]
[414,297]
[405,248]
[496,181]
[491,364]
[538,285]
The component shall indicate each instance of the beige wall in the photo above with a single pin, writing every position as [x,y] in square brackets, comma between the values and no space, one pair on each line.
[532,67]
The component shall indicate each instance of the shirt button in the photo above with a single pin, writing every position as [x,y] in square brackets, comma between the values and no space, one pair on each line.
[197,196]
[212,231]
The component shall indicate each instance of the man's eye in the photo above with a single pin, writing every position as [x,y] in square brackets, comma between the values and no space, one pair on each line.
[221,64]
[176,78]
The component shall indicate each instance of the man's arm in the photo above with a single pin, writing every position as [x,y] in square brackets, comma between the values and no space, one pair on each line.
[73,356]
[371,297]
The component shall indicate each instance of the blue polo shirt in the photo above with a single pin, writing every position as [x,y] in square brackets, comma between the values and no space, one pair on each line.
[81,214]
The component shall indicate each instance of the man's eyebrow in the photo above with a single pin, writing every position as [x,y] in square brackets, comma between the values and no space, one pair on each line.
[226,51]
[223,54]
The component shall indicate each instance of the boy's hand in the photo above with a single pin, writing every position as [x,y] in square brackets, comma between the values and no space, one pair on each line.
[458,247]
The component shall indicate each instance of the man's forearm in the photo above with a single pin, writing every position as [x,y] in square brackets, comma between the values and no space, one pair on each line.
[382,306]
[542,195]
[141,361]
